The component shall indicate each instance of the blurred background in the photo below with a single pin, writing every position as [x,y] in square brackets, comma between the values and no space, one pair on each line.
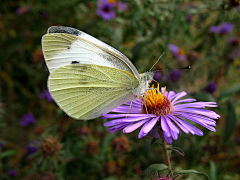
[39,141]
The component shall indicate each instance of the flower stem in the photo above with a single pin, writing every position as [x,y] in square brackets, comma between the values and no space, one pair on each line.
[164,146]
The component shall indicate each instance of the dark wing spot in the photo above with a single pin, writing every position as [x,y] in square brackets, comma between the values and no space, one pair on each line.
[62,29]
[75,62]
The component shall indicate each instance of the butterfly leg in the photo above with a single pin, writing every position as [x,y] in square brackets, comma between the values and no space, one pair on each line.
[146,106]
[130,109]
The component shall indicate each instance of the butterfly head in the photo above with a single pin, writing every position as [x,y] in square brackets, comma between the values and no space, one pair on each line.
[147,77]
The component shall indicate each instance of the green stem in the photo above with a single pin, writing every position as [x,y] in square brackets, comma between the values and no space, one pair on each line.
[164,146]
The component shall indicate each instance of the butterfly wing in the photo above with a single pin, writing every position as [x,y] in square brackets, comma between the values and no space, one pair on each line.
[65,45]
[86,91]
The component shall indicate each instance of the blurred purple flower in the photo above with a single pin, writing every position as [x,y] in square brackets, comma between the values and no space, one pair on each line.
[0,84]
[32,147]
[122,6]
[166,112]
[235,53]
[105,10]
[27,119]
[12,173]
[211,87]
[223,28]
[157,76]
[188,18]
[175,76]
[2,145]
[179,53]
[22,10]
[46,95]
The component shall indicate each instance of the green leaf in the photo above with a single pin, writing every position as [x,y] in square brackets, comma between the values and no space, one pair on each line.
[110,178]
[153,168]
[105,144]
[203,96]
[190,171]
[177,149]
[8,153]
[229,91]
[213,170]
[230,120]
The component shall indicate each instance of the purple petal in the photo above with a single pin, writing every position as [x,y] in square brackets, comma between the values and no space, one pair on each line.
[171,125]
[189,117]
[150,125]
[181,57]
[214,29]
[173,129]
[123,109]
[165,127]
[108,116]
[170,95]
[189,127]
[118,127]
[184,100]
[180,125]
[134,126]
[178,96]
[173,48]
[147,127]
[168,139]
[121,120]
[203,112]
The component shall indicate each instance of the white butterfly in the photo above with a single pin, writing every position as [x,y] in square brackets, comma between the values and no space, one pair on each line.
[88,77]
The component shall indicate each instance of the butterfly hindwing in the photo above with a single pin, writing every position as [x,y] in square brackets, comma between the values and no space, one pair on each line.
[86,91]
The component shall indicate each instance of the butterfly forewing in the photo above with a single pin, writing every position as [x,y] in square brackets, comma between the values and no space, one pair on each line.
[86,91]
[64,45]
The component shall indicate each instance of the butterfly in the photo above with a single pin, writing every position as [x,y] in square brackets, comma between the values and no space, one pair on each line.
[88,77]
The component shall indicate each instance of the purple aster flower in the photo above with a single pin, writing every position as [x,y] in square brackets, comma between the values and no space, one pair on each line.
[12,173]
[223,28]
[179,53]
[164,110]
[32,147]
[105,10]
[27,120]
[46,95]
[22,10]
[122,6]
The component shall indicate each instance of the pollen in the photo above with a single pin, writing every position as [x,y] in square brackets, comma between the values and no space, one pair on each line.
[111,1]
[181,52]
[155,102]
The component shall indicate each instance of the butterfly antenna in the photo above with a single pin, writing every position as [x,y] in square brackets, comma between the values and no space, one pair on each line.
[188,67]
[157,60]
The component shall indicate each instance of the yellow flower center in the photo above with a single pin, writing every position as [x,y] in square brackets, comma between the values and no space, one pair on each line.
[181,52]
[111,1]
[156,103]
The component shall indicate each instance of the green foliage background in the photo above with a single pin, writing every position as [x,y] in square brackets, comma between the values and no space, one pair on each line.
[142,33]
